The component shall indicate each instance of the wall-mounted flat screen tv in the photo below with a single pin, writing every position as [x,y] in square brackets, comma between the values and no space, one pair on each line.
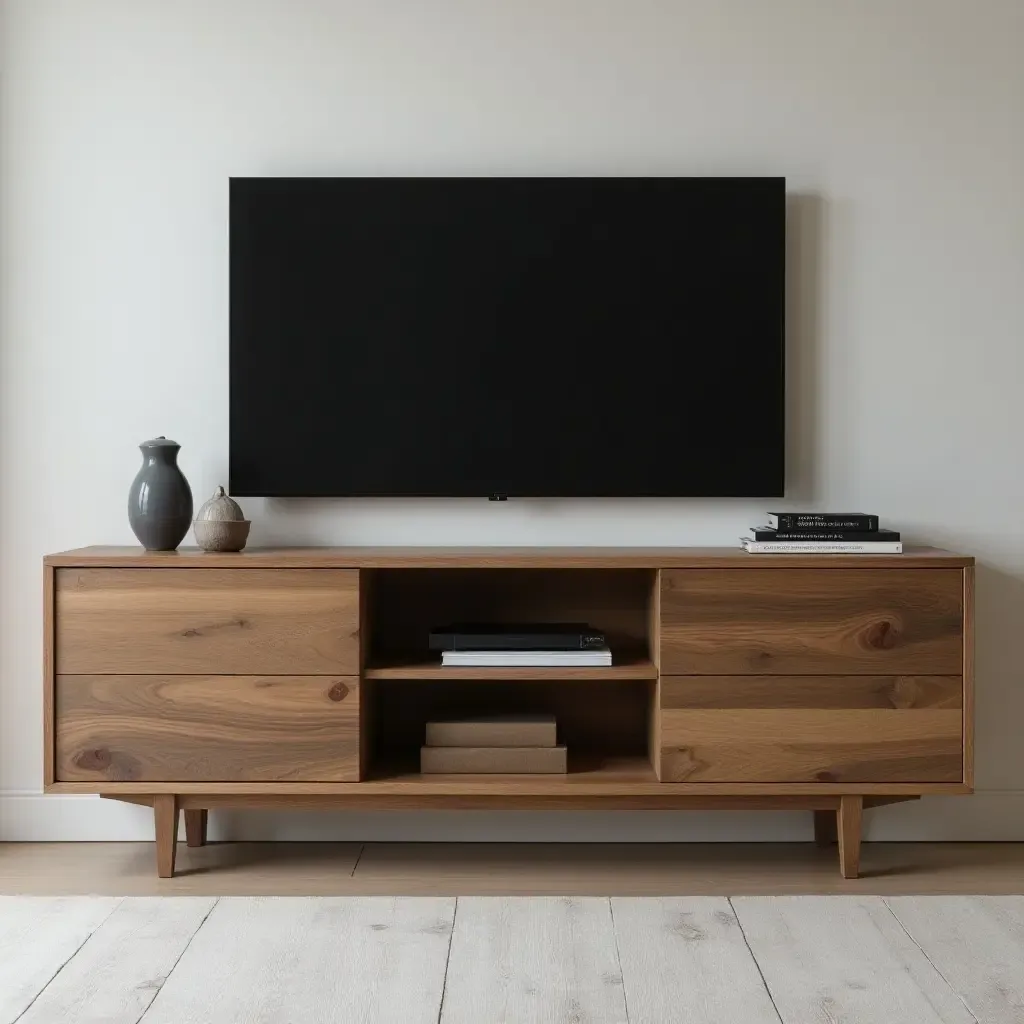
[519,337]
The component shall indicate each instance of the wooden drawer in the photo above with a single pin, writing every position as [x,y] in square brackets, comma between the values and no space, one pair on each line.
[811,729]
[211,621]
[812,621]
[207,728]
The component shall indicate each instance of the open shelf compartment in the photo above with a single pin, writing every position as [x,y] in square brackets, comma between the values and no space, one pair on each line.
[604,714]
[605,725]
[403,606]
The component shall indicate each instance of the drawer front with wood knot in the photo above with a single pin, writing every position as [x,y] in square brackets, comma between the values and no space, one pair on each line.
[789,621]
[192,728]
[209,621]
[831,729]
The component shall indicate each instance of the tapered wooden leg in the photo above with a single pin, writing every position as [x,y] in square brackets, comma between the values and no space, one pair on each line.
[824,828]
[848,824]
[165,814]
[195,827]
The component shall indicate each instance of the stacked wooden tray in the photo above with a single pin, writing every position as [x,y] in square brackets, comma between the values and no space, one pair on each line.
[497,745]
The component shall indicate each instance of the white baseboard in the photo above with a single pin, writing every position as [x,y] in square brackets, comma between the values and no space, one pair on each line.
[993,815]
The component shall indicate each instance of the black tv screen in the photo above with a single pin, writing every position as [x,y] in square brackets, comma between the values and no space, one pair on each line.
[557,337]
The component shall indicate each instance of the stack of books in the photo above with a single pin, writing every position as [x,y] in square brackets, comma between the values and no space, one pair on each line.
[537,645]
[826,533]
[504,744]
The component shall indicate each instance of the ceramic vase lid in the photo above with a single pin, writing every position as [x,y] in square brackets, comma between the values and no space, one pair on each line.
[220,508]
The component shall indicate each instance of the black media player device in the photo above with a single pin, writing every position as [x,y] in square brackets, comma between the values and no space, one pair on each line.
[543,636]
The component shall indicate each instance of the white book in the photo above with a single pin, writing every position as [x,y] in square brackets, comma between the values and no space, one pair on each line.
[527,659]
[821,547]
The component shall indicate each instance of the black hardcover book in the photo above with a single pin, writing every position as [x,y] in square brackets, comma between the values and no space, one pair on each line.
[533,636]
[858,536]
[804,521]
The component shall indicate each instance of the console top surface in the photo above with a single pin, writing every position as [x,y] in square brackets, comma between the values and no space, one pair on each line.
[386,557]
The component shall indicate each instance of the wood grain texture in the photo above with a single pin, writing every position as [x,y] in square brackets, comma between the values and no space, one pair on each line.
[49,651]
[195,827]
[165,820]
[812,622]
[968,672]
[365,589]
[832,959]
[811,732]
[249,621]
[493,760]
[627,666]
[794,692]
[206,728]
[118,973]
[856,960]
[496,558]
[37,937]
[849,819]
[977,944]
[372,960]
[686,960]
[811,745]
[546,961]
[626,779]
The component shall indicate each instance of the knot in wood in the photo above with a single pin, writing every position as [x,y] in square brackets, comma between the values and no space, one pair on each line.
[882,636]
[94,760]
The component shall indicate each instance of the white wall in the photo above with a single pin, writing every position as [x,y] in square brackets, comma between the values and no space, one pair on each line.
[898,123]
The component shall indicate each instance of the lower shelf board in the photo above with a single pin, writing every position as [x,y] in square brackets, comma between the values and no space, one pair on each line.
[601,774]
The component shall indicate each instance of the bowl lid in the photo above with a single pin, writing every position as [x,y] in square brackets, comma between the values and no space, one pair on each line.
[220,508]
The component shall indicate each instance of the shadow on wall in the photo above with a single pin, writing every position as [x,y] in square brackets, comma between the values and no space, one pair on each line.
[999,678]
[805,245]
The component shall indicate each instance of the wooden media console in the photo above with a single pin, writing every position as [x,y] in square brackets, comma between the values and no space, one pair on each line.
[298,678]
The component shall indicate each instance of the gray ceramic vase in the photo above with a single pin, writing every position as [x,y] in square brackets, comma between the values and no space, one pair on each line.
[160,501]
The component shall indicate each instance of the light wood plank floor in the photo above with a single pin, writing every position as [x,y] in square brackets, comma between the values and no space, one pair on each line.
[492,960]
[509,869]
